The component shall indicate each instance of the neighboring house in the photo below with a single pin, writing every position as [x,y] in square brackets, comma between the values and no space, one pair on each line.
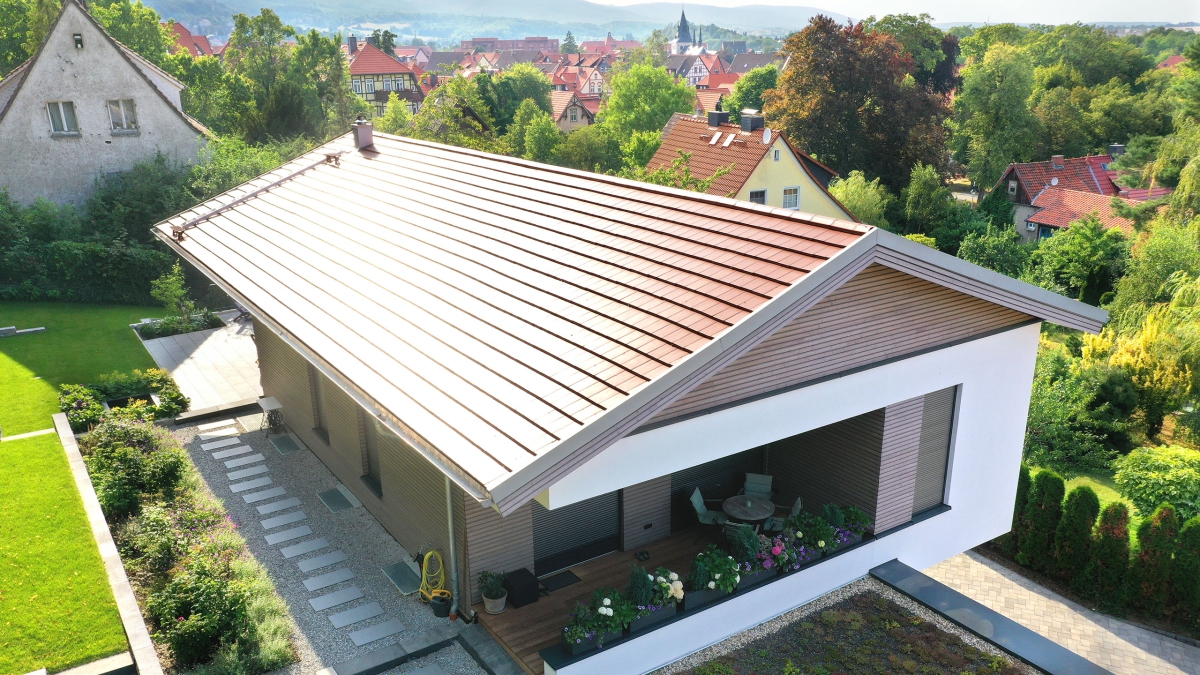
[766,168]
[710,100]
[491,44]
[438,62]
[1172,62]
[734,46]
[525,366]
[374,75]
[418,56]
[1056,208]
[583,80]
[1021,182]
[85,106]
[196,45]
[569,111]
[687,67]
[744,63]
[608,46]
[504,60]
[724,81]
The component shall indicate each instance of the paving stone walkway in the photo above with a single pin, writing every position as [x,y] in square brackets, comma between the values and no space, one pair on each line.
[1110,643]
[212,367]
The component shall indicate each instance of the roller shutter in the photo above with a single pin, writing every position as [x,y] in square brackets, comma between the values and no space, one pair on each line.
[718,479]
[571,534]
[937,422]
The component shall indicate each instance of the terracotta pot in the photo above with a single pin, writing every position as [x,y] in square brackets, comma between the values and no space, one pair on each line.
[652,619]
[495,605]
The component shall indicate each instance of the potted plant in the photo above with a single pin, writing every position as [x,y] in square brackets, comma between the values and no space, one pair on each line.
[752,551]
[714,575]
[612,613]
[814,533]
[857,522]
[491,586]
[653,596]
[579,635]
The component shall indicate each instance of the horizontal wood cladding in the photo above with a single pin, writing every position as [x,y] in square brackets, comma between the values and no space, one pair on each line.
[838,463]
[496,543]
[283,373]
[879,314]
[898,465]
[642,505]
[937,421]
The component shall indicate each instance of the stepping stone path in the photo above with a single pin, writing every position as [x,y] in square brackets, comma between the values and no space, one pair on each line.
[221,439]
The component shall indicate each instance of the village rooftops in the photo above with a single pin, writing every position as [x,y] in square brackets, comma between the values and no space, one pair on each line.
[510,319]
[371,60]
[1058,207]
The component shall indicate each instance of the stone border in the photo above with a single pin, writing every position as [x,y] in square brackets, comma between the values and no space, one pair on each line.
[144,656]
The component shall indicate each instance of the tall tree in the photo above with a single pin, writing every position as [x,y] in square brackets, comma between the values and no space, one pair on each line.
[569,46]
[258,50]
[396,116]
[643,99]
[385,40]
[14,34]
[927,202]
[849,97]
[42,14]
[136,26]
[223,101]
[748,91]
[317,64]
[1083,262]
[866,200]
[521,82]
[993,124]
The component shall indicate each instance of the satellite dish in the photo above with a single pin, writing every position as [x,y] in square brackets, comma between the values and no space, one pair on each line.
[1054,181]
[766,135]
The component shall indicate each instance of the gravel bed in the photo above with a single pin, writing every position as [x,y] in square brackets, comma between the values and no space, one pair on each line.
[367,545]
[850,590]
[453,659]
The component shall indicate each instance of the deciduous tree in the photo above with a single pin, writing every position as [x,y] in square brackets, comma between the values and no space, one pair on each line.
[136,26]
[396,116]
[996,248]
[866,200]
[748,91]
[643,99]
[1084,261]
[993,124]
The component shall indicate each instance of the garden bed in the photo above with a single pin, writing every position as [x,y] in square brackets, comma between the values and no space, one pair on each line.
[177,325]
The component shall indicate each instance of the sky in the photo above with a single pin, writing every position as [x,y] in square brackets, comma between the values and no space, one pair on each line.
[1018,11]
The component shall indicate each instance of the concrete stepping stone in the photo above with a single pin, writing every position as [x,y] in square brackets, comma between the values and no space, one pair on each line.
[288,535]
[232,452]
[265,494]
[360,613]
[250,484]
[320,561]
[246,473]
[284,444]
[220,433]
[243,461]
[307,547]
[209,426]
[285,519]
[278,506]
[376,632]
[328,579]
[220,444]
[335,598]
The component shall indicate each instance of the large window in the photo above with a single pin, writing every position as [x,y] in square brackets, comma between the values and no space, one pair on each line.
[370,85]
[371,474]
[791,198]
[122,115]
[758,196]
[62,117]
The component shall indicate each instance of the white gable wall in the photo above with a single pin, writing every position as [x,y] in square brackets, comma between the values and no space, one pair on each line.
[64,169]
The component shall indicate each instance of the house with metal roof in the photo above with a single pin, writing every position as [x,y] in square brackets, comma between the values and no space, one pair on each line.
[85,106]
[536,369]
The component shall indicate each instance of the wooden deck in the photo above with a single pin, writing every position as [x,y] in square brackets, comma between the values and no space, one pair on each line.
[526,631]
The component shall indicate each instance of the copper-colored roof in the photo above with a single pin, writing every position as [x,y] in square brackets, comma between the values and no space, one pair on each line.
[371,60]
[1059,207]
[492,305]
[561,100]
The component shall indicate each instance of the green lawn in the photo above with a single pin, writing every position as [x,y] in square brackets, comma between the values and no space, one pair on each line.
[80,343]
[56,609]
[1106,490]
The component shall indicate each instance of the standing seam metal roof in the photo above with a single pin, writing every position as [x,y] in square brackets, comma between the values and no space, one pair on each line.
[493,305]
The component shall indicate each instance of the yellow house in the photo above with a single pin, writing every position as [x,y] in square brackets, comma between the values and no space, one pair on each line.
[766,169]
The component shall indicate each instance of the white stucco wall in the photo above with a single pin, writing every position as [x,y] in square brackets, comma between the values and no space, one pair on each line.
[63,169]
[996,375]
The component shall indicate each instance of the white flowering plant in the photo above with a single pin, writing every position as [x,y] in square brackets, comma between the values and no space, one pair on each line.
[713,569]
[649,592]
[611,612]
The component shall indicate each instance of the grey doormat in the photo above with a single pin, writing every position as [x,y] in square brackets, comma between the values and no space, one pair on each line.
[561,580]
[402,576]
[335,500]
[284,444]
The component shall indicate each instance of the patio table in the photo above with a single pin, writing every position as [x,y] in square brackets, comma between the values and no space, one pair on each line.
[748,509]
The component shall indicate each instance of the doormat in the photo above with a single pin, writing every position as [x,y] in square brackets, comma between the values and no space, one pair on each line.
[561,580]
[339,499]
[401,575]
[284,444]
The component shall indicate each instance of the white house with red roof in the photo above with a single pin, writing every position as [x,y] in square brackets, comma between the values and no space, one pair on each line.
[374,75]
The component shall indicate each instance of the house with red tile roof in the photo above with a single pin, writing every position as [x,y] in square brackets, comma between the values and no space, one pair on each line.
[1056,208]
[709,100]
[608,46]
[568,111]
[765,167]
[196,45]
[418,56]
[724,81]
[1172,62]
[534,369]
[374,75]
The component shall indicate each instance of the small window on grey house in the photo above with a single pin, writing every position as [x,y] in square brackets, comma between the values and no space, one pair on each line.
[320,416]
[574,114]
[122,114]
[1012,187]
[791,198]
[62,117]
[758,196]
[371,454]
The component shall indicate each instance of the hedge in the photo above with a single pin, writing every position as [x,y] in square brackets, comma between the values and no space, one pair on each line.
[76,271]
[1042,514]
[1150,573]
[1012,540]
[1185,575]
[1073,537]
[1108,559]
[1162,475]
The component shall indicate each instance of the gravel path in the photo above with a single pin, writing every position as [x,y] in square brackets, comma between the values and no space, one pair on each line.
[355,532]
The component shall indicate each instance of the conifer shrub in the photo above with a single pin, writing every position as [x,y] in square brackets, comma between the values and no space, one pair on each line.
[1012,539]
[1185,574]
[1074,534]
[1108,559]
[1043,511]
[1150,571]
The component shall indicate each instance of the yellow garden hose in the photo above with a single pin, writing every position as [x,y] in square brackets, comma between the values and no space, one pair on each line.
[433,577]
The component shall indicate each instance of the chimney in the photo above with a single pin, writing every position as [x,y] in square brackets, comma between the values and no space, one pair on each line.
[371,40]
[352,44]
[1056,162]
[717,117]
[363,133]
[751,120]
[1116,149]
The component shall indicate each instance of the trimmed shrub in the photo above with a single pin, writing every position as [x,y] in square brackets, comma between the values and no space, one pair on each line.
[641,587]
[117,474]
[1012,539]
[1108,559]
[1150,573]
[82,404]
[1168,474]
[1074,534]
[1185,574]
[1043,511]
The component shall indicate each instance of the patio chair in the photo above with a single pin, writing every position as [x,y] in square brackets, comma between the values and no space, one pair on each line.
[243,313]
[758,486]
[705,516]
[774,524]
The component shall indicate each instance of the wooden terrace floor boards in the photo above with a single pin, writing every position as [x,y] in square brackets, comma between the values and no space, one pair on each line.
[527,630]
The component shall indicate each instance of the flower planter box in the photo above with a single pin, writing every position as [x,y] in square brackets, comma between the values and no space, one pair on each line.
[755,578]
[652,619]
[854,539]
[694,599]
[587,644]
